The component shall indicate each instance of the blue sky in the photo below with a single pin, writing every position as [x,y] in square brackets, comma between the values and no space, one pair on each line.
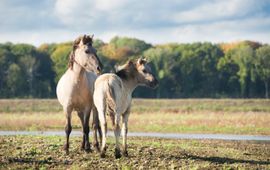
[155,21]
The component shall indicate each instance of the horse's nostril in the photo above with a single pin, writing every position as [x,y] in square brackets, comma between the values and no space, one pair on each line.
[87,51]
[98,68]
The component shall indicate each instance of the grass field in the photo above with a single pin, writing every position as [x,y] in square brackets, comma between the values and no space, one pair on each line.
[231,116]
[36,152]
[234,116]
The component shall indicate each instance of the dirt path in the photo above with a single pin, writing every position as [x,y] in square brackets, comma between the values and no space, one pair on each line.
[150,134]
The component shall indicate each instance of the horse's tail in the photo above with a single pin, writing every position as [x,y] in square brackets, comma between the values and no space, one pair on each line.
[110,100]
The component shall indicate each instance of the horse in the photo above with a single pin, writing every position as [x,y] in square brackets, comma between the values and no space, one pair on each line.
[75,88]
[113,95]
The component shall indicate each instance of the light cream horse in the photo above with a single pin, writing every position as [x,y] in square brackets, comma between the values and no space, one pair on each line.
[113,94]
[75,88]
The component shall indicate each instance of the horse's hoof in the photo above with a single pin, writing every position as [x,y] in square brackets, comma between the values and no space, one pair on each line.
[125,154]
[96,147]
[82,146]
[117,154]
[102,155]
[66,149]
[87,148]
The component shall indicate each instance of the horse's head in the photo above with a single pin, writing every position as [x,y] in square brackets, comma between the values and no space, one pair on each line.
[84,54]
[144,73]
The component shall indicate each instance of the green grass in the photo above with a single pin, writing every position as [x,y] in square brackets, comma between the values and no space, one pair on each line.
[37,152]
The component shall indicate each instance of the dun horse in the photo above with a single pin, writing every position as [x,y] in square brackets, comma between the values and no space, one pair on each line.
[113,95]
[75,88]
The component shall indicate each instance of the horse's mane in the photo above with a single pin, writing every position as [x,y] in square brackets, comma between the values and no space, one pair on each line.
[86,39]
[126,71]
[122,74]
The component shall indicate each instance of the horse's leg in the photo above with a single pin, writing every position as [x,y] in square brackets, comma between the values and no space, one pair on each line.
[117,132]
[86,130]
[96,127]
[68,127]
[125,131]
[103,124]
[80,114]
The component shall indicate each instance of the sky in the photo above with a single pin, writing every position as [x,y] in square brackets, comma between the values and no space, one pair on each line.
[154,21]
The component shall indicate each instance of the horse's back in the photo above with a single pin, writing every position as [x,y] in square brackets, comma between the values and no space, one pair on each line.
[108,80]
[110,84]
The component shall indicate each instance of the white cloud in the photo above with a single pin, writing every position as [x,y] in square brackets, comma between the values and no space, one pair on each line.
[156,21]
[225,31]
[73,13]
[108,5]
[218,10]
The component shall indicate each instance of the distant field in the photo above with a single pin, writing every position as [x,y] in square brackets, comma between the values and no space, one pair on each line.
[147,105]
[235,116]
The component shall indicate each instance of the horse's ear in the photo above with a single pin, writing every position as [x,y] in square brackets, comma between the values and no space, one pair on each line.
[87,39]
[145,60]
[77,42]
[130,62]
[141,61]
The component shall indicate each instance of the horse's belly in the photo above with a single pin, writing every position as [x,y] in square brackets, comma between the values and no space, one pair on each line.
[123,105]
[82,101]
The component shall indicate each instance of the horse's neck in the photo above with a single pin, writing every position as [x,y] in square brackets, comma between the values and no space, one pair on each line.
[130,85]
[78,73]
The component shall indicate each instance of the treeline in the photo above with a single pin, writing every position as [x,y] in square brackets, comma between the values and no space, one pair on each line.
[238,70]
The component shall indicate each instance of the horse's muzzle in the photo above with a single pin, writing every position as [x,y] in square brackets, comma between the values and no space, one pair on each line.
[154,84]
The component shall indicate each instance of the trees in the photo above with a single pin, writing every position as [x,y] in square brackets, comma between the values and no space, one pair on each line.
[121,48]
[243,57]
[238,61]
[262,66]
[60,56]
[6,58]
[238,69]
[164,61]
[135,45]
[25,72]
[198,66]
[15,80]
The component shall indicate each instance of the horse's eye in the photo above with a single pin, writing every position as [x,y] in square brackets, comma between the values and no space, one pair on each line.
[144,71]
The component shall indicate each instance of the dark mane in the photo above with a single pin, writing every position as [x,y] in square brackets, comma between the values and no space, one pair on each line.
[127,71]
[122,74]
